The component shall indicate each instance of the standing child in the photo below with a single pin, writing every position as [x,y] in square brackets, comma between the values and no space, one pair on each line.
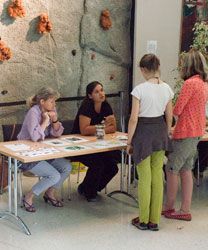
[190,126]
[40,122]
[148,138]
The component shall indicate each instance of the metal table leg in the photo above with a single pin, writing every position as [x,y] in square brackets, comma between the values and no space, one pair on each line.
[13,209]
[121,191]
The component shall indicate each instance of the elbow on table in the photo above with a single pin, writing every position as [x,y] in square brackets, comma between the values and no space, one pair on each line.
[37,138]
[84,132]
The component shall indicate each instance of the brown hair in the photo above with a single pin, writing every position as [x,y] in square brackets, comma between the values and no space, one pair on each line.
[150,62]
[193,63]
[43,94]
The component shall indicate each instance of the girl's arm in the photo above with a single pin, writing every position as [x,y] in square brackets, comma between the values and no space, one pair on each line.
[169,115]
[133,120]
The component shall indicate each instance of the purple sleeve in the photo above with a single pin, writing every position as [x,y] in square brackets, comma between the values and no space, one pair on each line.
[57,133]
[32,123]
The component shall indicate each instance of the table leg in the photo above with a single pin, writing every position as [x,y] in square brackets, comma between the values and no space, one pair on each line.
[15,187]
[129,174]
[122,168]
[11,213]
[121,191]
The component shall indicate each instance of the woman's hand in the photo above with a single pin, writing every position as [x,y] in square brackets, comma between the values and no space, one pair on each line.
[170,132]
[53,116]
[110,120]
[129,149]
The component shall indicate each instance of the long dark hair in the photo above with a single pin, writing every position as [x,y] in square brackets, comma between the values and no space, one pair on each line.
[89,89]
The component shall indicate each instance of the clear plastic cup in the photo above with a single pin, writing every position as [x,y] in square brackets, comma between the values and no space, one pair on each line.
[100,131]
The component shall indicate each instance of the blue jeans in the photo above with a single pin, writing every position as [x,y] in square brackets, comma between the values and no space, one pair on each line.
[53,173]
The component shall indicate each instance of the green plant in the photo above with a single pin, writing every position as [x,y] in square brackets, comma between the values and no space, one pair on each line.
[200,42]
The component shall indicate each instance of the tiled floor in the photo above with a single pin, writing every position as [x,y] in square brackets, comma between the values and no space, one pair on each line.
[103,225]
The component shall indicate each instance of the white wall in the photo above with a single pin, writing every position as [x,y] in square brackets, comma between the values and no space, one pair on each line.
[158,20]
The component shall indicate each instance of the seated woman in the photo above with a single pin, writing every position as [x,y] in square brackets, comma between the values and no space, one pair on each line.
[40,122]
[102,167]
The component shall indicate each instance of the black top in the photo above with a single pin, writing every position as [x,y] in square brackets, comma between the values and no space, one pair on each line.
[89,111]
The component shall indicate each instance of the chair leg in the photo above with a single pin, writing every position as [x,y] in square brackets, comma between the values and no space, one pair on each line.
[62,192]
[78,173]
[198,169]
[124,168]
[2,175]
[106,189]
[69,188]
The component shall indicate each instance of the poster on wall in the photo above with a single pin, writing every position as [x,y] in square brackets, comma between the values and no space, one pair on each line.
[193,11]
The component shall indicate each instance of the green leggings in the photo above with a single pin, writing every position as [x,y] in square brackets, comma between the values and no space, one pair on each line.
[150,187]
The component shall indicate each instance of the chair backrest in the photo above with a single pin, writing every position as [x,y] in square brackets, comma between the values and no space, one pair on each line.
[68,126]
[11,131]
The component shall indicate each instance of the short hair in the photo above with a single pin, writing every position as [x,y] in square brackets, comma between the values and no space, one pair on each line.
[150,62]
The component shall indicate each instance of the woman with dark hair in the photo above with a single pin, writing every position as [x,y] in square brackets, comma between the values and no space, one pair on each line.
[102,167]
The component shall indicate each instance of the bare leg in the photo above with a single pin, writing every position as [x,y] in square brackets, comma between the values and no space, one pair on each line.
[172,189]
[29,197]
[187,189]
[51,193]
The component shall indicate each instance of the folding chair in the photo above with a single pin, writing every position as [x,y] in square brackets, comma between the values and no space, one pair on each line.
[10,133]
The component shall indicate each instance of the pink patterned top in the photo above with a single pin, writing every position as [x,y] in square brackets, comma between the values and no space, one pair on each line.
[190,109]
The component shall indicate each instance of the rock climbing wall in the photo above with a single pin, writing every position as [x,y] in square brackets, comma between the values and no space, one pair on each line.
[77,51]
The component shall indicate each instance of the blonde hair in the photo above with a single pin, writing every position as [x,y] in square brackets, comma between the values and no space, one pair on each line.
[43,94]
[193,63]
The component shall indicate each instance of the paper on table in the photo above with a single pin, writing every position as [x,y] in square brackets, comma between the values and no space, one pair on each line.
[74,139]
[106,144]
[55,142]
[75,148]
[38,152]
[122,137]
[17,146]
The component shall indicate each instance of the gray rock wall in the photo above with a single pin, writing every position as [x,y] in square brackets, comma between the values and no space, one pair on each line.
[47,60]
